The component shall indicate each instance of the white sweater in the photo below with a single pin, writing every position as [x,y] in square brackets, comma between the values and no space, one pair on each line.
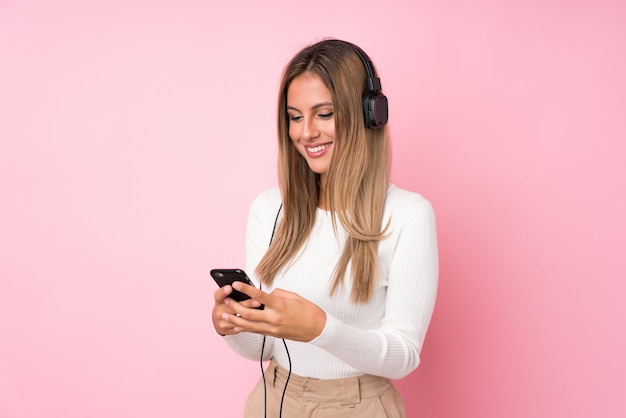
[382,337]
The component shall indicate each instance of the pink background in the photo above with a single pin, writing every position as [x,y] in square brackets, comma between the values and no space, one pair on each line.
[134,135]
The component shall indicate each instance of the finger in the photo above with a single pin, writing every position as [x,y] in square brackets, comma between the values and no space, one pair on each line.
[222,326]
[251,291]
[251,303]
[229,318]
[228,331]
[240,309]
[237,324]
[222,293]
[249,320]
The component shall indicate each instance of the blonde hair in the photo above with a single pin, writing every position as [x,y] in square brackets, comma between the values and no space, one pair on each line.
[357,180]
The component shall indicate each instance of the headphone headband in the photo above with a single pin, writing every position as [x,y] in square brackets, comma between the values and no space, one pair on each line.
[375,104]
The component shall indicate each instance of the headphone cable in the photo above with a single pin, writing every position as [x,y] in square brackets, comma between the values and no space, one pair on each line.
[286,381]
[282,399]
[264,381]
[263,347]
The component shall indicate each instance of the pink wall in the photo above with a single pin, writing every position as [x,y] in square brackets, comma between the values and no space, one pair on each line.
[134,135]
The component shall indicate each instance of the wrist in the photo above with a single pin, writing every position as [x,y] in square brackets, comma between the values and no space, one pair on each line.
[319,322]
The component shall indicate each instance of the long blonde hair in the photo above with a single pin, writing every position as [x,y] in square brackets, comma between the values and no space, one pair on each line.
[357,180]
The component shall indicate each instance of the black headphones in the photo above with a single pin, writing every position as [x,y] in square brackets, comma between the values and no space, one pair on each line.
[375,104]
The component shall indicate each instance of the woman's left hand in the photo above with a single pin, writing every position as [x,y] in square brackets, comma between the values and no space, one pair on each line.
[286,315]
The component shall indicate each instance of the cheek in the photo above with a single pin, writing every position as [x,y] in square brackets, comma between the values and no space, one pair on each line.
[331,131]
[293,133]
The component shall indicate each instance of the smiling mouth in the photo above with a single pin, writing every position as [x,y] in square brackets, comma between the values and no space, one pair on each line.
[318,150]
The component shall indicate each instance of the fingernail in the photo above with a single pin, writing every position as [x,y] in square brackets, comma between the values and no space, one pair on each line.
[225,316]
[237,286]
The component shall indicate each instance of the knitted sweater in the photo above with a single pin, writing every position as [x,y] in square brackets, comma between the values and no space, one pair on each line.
[382,337]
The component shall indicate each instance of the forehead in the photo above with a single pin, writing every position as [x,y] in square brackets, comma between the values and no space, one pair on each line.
[307,90]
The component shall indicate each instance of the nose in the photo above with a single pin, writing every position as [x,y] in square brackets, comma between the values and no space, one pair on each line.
[310,130]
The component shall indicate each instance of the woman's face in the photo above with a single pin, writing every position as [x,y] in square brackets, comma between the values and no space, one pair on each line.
[310,112]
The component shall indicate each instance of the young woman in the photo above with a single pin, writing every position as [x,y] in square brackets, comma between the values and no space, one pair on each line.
[349,280]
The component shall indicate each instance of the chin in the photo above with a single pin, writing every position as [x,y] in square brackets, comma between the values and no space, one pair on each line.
[318,170]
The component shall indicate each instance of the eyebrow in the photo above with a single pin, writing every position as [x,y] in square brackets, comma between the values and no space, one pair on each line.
[317,106]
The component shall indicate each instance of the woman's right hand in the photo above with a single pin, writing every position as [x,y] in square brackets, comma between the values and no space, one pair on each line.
[221,309]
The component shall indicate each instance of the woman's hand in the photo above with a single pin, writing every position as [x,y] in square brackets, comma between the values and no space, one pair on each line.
[286,314]
[221,309]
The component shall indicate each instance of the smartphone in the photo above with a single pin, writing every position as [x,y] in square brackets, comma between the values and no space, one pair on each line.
[228,276]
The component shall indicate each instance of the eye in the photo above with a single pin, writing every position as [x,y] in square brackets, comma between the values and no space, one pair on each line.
[294,118]
[326,115]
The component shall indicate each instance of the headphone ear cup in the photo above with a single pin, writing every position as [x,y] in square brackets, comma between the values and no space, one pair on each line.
[375,110]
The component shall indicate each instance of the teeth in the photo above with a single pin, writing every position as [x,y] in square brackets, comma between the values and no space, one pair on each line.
[318,148]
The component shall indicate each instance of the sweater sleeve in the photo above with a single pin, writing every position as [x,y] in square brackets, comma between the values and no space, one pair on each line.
[249,345]
[393,349]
